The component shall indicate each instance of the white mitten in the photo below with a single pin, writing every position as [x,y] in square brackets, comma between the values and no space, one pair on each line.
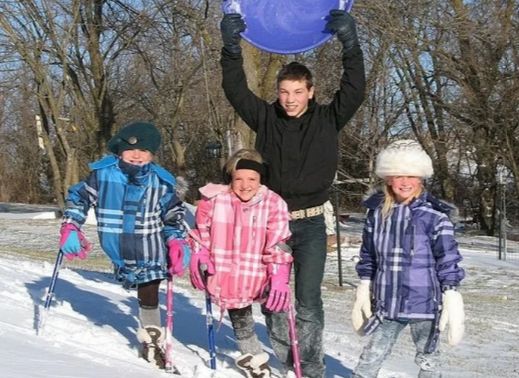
[361,311]
[453,314]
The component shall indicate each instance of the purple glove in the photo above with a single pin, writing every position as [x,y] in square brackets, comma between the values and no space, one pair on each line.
[177,254]
[200,266]
[279,295]
[73,243]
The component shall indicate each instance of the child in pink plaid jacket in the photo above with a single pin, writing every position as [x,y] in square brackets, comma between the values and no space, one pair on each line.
[239,242]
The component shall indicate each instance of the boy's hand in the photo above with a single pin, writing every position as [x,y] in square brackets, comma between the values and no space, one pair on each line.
[343,24]
[231,26]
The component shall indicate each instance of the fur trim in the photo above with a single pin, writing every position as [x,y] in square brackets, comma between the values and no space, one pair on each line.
[182,187]
[254,365]
[404,158]
[143,336]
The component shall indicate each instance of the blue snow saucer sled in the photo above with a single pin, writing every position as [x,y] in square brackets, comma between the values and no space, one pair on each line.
[285,26]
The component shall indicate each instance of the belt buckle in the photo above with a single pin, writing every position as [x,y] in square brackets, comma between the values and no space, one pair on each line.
[307,213]
[298,214]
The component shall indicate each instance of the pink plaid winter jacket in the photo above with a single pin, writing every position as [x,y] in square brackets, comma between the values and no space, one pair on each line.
[242,239]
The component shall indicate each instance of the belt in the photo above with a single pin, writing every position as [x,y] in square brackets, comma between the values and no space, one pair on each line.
[306,213]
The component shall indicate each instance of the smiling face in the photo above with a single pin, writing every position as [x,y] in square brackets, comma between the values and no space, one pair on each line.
[245,183]
[137,157]
[294,96]
[405,188]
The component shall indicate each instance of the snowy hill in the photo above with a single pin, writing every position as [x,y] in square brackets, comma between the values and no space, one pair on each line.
[90,328]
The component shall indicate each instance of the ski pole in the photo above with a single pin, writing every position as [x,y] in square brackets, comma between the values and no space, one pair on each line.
[209,321]
[50,293]
[169,367]
[294,342]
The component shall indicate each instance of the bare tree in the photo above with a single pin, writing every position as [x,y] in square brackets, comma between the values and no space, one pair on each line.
[69,48]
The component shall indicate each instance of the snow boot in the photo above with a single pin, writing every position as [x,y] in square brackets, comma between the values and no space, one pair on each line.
[152,349]
[254,365]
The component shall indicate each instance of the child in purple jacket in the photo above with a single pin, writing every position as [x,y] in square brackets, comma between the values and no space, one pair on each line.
[408,265]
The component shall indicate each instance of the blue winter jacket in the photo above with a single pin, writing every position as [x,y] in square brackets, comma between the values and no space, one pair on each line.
[410,257]
[136,216]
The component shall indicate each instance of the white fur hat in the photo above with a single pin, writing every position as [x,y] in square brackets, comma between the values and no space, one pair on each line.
[404,158]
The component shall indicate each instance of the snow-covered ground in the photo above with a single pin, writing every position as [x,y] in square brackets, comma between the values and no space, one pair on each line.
[90,328]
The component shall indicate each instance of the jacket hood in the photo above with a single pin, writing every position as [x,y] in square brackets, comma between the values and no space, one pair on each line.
[211,190]
[375,197]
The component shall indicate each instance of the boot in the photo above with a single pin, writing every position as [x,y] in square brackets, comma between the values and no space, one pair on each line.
[152,340]
[254,365]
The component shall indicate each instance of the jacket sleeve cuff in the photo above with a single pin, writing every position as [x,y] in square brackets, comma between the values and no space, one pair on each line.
[449,287]
[231,55]
[352,52]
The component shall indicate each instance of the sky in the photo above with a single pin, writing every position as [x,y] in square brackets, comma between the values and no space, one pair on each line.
[90,328]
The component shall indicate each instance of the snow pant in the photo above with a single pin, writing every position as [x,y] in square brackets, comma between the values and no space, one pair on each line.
[308,242]
[382,341]
[244,330]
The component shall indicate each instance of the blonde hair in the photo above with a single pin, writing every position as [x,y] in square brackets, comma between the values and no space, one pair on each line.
[244,153]
[389,199]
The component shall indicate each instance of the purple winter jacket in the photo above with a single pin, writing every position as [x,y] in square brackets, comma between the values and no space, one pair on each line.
[410,257]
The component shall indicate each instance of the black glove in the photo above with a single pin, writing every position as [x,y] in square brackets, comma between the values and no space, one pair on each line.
[231,26]
[343,24]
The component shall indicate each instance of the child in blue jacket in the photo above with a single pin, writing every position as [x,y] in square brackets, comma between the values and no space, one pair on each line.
[408,265]
[140,223]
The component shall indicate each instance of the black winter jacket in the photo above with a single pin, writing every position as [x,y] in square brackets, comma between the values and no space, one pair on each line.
[301,153]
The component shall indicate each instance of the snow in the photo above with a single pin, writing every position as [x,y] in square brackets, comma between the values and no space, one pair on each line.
[90,327]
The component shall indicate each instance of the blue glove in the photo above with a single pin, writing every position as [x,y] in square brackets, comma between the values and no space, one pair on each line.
[343,24]
[71,244]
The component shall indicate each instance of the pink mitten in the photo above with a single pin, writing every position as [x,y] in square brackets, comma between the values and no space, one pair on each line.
[177,256]
[279,295]
[200,266]
[73,243]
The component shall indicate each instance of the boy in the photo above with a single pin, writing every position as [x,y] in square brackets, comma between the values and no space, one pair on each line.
[298,139]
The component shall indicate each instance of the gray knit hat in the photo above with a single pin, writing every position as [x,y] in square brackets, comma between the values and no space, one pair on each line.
[135,135]
[404,158]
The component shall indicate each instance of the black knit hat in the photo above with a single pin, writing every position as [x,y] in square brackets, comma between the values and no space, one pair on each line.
[135,135]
